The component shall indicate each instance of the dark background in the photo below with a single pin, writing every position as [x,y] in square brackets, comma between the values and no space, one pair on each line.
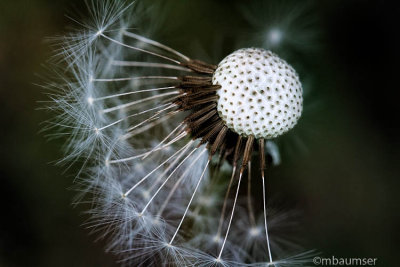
[346,182]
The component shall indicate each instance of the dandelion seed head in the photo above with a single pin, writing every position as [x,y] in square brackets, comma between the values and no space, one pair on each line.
[281,26]
[217,239]
[99,32]
[90,100]
[254,231]
[260,95]
[146,194]
[275,36]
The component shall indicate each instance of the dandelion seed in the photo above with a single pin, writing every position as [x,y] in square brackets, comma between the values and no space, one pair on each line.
[149,193]
[274,36]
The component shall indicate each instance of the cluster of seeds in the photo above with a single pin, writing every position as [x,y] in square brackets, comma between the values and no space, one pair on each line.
[260,94]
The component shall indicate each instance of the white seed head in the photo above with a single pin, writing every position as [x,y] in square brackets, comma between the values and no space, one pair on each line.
[260,95]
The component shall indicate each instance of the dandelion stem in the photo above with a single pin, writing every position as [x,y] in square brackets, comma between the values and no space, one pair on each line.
[160,177]
[180,136]
[262,165]
[143,154]
[191,199]
[249,200]
[221,219]
[153,117]
[133,92]
[152,42]
[230,219]
[167,179]
[138,101]
[236,158]
[171,193]
[136,78]
[139,49]
[148,65]
[265,221]
[156,120]
[159,166]
[246,159]
[130,116]
[165,139]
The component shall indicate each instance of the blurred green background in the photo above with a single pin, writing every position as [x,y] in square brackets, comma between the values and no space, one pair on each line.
[345,180]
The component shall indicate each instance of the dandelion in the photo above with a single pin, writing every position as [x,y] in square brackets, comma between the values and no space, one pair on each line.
[280,26]
[155,127]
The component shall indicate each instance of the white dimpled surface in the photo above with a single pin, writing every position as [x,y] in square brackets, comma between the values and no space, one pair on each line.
[260,95]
